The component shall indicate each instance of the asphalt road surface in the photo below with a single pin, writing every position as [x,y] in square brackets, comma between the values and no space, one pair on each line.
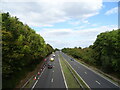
[51,78]
[92,79]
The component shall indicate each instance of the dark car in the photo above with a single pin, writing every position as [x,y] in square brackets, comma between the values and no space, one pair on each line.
[50,66]
[72,59]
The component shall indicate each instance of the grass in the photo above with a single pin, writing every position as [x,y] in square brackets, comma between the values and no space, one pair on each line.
[70,80]
[95,68]
[77,76]
[28,76]
[80,80]
[30,83]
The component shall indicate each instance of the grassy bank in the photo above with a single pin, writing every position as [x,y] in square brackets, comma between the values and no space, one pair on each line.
[112,76]
[73,76]
[70,80]
[80,80]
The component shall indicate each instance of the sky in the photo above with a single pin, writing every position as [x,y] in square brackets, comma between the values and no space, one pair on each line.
[66,23]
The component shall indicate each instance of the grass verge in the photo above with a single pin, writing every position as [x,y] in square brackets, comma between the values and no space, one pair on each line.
[70,80]
[30,83]
[83,84]
[109,77]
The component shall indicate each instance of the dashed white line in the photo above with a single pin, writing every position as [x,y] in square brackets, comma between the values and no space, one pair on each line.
[78,75]
[85,72]
[97,73]
[52,80]
[97,82]
[53,70]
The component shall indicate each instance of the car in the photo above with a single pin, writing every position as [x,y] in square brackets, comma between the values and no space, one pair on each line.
[72,59]
[51,59]
[50,66]
[53,55]
[45,60]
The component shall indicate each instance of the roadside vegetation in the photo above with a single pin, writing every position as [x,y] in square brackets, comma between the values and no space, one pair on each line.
[22,50]
[72,78]
[103,54]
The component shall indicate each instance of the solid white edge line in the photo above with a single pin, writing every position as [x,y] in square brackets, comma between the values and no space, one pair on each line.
[97,73]
[78,74]
[34,84]
[27,82]
[37,80]
[62,74]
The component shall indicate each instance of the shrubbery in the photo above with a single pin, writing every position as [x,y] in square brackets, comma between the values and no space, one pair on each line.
[104,53]
[22,50]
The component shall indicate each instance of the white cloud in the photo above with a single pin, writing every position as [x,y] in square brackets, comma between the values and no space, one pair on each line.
[110,0]
[60,38]
[85,21]
[45,13]
[74,22]
[50,1]
[112,11]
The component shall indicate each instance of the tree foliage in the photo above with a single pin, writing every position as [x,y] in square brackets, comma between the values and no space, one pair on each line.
[105,52]
[22,48]
[56,49]
[107,49]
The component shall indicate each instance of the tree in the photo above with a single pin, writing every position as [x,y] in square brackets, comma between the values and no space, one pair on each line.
[22,50]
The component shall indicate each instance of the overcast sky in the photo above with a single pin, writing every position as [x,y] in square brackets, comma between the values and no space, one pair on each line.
[66,23]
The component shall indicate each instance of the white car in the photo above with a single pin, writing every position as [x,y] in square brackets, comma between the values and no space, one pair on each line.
[53,55]
[52,59]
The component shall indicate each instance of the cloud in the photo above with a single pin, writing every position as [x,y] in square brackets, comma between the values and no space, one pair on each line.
[45,13]
[60,38]
[52,1]
[112,11]
[110,0]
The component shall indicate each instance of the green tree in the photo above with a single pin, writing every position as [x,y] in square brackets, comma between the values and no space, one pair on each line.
[22,50]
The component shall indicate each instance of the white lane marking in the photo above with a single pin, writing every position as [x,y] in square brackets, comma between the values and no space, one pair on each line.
[97,82]
[62,73]
[53,70]
[52,80]
[78,67]
[27,82]
[37,80]
[97,73]
[78,74]
[34,84]
[85,72]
